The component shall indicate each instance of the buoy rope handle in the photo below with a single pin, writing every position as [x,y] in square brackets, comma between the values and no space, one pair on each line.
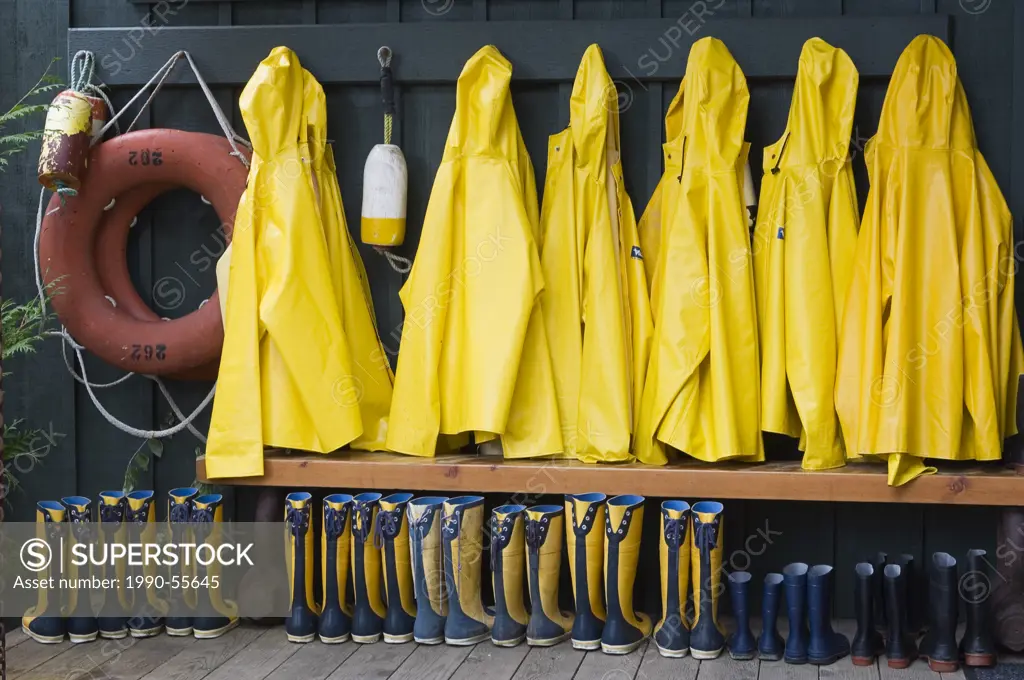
[400,264]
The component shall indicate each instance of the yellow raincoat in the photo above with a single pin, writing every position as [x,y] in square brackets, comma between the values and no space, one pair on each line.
[596,309]
[803,246]
[287,371]
[930,350]
[701,394]
[474,355]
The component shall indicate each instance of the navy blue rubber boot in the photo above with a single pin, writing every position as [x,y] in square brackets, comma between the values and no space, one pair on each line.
[742,645]
[794,580]
[770,645]
[428,569]
[825,646]
[335,623]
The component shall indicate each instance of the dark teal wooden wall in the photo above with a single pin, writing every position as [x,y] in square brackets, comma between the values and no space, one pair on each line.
[176,237]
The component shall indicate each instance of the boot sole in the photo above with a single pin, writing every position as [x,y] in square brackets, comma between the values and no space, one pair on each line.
[79,639]
[795,661]
[44,639]
[943,666]
[214,633]
[742,657]
[547,642]
[508,643]
[114,634]
[672,653]
[301,639]
[366,639]
[179,632]
[899,664]
[145,632]
[705,654]
[465,642]
[824,660]
[428,641]
[618,650]
[334,640]
[397,639]
[769,657]
[979,659]
[863,660]
[587,645]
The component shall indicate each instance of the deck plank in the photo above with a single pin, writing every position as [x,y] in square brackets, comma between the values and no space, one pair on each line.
[725,668]
[557,663]
[378,660]
[916,671]
[845,670]
[25,657]
[601,666]
[433,662]
[259,659]
[15,637]
[780,670]
[489,662]
[200,659]
[77,660]
[657,667]
[313,661]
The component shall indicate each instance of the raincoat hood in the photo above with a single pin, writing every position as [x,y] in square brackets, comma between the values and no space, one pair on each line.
[714,114]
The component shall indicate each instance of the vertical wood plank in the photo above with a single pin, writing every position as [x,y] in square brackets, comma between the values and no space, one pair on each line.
[479,10]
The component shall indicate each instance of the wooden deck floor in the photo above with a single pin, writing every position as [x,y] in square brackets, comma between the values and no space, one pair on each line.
[250,653]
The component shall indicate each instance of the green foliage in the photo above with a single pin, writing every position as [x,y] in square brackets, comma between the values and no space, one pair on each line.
[12,143]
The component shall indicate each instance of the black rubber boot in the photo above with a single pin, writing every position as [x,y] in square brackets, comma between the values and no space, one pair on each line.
[825,646]
[939,644]
[911,574]
[867,643]
[878,590]
[900,647]
[978,647]
[770,644]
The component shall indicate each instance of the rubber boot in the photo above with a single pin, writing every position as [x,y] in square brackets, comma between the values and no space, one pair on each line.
[977,646]
[868,643]
[706,638]
[301,624]
[881,559]
[939,643]
[43,622]
[545,528]
[742,645]
[181,602]
[910,573]
[148,607]
[508,561]
[672,635]
[428,569]
[468,621]
[393,536]
[624,629]
[794,581]
[825,645]
[771,645]
[214,614]
[81,620]
[112,619]
[368,609]
[584,539]
[335,623]
[900,646]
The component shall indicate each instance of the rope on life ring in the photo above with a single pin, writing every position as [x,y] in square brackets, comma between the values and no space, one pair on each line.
[134,162]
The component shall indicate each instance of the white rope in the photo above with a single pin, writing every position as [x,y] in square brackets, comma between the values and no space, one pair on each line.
[400,264]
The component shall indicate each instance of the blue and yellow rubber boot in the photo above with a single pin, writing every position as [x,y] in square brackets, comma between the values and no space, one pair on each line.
[368,610]
[468,621]
[112,619]
[672,635]
[624,629]
[81,619]
[584,539]
[393,537]
[44,622]
[181,602]
[428,569]
[301,624]
[215,615]
[148,607]
[706,637]
[545,526]
[508,547]
[335,623]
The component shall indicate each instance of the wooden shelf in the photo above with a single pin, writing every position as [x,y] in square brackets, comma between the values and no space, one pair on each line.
[958,484]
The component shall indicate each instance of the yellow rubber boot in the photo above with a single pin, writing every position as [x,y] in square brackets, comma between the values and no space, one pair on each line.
[672,635]
[44,622]
[335,624]
[393,537]
[181,602]
[81,619]
[428,569]
[584,538]
[468,621]
[624,629]
[112,620]
[301,624]
[368,608]
[214,614]
[508,547]
[707,638]
[140,515]
[548,624]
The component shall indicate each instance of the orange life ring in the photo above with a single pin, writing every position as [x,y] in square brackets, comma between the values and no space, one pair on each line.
[110,253]
[197,161]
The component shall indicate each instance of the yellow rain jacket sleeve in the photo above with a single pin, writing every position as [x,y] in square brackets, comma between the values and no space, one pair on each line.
[280,296]
[803,247]
[474,354]
[595,302]
[930,351]
[699,396]
[370,384]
